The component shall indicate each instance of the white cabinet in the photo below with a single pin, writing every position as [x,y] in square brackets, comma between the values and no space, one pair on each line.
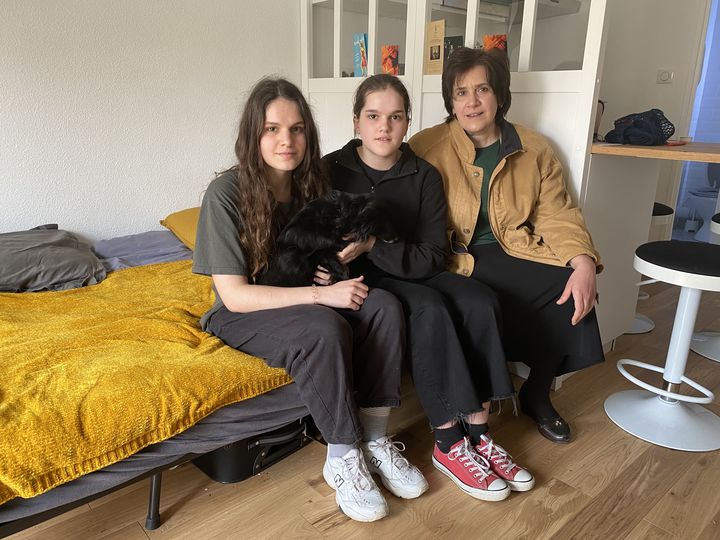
[555,49]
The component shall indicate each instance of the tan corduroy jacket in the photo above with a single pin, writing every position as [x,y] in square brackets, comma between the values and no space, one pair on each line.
[531,213]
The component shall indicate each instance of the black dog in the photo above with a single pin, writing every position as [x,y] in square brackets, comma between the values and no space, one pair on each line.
[315,234]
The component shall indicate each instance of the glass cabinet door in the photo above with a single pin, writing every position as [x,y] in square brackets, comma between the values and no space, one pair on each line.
[560,31]
[391,37]
[322,38]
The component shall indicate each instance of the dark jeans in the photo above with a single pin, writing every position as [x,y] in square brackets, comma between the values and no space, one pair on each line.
[455,345]
[339,359]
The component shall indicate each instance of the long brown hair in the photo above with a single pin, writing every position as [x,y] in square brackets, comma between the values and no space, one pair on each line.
[262,220]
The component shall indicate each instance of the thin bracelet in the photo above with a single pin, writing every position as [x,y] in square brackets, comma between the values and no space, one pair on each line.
[315,294]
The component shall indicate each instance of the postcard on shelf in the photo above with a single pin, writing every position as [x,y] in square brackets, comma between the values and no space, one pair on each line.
[360,54]
[389,55]
[434,43]
[495,41]
[452,43]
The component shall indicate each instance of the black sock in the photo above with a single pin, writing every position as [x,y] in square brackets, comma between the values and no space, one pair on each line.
[447,437]
[475,431]
[535,392]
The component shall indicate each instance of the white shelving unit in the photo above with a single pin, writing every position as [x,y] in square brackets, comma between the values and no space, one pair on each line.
[556,50]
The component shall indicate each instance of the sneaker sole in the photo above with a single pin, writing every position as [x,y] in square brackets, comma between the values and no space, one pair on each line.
[520,486]
[356,516]
[482,494]
[400,492]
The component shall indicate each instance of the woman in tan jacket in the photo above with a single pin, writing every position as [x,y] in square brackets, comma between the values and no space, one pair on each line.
[513,226]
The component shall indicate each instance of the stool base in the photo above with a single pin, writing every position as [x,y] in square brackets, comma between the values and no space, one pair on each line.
[642,324]
[680,426]
[706,344]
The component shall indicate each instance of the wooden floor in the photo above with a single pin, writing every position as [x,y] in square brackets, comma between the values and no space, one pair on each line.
[606,484]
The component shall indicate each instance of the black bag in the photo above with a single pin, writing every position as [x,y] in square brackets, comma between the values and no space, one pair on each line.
[240,460]
[649,128]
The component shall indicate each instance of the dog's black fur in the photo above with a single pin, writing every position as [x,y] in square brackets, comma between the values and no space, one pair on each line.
[315,234]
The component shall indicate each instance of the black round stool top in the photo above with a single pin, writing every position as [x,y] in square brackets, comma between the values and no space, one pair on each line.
[691,257]
[660,209]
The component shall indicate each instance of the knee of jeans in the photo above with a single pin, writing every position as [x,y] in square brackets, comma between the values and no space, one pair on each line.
[384,303]
[327,324]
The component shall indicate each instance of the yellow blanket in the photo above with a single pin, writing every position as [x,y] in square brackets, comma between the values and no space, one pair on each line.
[90,376]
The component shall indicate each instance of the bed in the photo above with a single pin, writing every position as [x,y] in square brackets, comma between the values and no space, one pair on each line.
[104,384]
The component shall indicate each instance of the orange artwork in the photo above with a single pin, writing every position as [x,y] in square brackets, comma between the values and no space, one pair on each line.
[389,59]
[495,41]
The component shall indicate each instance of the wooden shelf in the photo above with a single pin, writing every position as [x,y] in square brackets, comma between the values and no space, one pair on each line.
[696,151]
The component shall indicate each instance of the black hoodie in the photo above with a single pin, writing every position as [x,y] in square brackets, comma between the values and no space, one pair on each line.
[413,190]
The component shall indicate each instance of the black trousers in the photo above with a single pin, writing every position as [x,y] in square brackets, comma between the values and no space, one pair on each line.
[455,347]
[339,359]
[536,330]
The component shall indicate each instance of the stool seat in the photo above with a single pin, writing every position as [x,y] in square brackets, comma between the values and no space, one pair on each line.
[687,264]
[660,209]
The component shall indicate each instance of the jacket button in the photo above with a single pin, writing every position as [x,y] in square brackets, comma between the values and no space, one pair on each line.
[476,174]
[465,272]
[466,231]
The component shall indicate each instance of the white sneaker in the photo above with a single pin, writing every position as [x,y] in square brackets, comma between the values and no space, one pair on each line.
[356,493]
[397,474]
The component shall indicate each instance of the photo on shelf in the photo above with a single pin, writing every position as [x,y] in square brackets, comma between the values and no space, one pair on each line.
[389,59]
[452,43]
[434,44]
[360,54]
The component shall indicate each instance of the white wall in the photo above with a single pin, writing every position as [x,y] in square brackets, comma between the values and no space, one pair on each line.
[643,37]
[115,113]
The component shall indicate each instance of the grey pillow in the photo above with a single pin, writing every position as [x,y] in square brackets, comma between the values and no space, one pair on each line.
[46,259]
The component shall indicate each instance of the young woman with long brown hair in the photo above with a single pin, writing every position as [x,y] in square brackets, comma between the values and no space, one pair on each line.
[342,343]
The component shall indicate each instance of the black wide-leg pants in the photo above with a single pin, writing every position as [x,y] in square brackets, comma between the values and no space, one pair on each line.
[339,359]
[455,347]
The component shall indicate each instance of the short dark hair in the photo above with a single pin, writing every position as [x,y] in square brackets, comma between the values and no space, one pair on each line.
[378,82]
[497,66]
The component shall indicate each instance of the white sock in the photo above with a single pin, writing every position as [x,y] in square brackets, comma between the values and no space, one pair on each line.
[339,450]
[374,421]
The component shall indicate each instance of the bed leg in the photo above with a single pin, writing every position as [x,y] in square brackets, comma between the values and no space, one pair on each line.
[153,517]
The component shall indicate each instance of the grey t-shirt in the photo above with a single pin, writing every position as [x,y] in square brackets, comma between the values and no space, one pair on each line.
[217,243]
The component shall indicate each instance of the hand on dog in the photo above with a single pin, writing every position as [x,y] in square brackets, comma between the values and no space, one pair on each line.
[322,276]
[354,249]
[348,294]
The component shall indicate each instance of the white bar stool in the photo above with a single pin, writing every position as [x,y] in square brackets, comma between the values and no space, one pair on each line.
[661,415]
[662,214]
[707,344]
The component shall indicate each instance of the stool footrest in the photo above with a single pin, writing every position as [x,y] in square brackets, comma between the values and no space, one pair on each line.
[709,396]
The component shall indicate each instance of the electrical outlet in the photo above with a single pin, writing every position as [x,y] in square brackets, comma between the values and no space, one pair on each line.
[665,76]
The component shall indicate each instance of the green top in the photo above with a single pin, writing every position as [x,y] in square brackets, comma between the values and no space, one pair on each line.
[487,158]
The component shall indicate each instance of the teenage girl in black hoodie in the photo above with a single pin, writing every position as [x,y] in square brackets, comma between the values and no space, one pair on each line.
[455,347]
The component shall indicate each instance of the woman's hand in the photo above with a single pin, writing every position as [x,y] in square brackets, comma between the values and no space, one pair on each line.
[582,286]
[354,249]
[322,276]
[349,294]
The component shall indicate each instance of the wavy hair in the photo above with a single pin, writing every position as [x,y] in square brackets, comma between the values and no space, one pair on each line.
[262,220]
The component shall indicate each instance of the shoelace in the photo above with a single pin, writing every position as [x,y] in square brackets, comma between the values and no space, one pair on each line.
[354,470]
[393,449]
[467,455]
[496,454]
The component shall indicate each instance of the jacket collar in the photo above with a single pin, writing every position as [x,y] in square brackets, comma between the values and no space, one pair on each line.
[406,166]
[510,141]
